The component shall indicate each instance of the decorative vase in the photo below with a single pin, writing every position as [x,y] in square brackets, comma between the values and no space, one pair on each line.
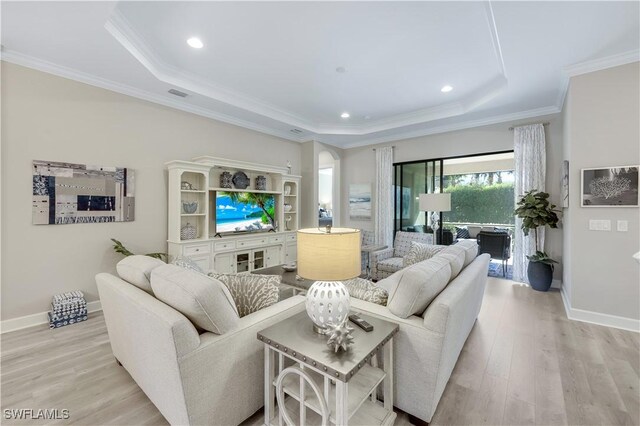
[186,186]
[188,232]
[287,207]
[287,190]
[225,179]
[540,275]
[261,183]
[190,208]
[327,303]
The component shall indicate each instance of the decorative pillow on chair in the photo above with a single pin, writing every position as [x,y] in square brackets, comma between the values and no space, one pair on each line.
[462,232]
[251,292]
[366,290]
[419,252]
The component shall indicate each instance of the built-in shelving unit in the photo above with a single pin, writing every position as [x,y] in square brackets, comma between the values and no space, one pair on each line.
[199,181]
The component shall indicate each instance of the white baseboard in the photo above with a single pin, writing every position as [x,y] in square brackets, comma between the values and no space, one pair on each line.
[26,321]
[597,318]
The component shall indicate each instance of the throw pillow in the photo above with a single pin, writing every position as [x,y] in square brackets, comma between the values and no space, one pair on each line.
[456,255]
[186,263]
[137,270]
[251,292]
[419,252]
[366,290]
[206,302]
[419,285]
[462,232]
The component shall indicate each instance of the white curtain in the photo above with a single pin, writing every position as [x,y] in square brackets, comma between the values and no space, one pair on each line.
[530,159]
[383,222]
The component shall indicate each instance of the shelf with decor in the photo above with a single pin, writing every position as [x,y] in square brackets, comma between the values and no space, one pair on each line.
[255,191]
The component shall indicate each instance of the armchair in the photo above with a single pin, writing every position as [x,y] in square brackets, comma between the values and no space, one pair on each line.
[386,262]
[498,245]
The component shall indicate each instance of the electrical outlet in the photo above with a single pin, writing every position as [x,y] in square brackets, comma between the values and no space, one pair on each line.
[623,226]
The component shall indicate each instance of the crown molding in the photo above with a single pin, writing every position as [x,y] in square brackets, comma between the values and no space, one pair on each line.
[65,72]
[537,112]
[602,63]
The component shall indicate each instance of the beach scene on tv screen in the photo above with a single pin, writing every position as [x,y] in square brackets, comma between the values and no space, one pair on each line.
[244,212]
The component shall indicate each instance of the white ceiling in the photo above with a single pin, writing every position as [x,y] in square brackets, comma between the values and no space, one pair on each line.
[271,66]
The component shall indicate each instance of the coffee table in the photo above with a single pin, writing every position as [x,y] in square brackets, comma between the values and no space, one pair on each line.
[336,387]
[289,279]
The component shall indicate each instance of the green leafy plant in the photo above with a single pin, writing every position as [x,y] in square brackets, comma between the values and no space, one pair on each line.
[535,210]
[118,247]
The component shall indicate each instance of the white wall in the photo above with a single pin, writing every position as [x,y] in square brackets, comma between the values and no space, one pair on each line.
[359,163]
[602,121]
[50,118]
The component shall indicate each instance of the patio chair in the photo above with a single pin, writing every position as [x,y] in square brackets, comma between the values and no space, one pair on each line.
[497,244]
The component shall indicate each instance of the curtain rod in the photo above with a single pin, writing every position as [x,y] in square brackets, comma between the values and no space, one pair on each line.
[392,146]
[544,124]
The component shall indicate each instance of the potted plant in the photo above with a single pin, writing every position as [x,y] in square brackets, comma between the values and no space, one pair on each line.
[535,210]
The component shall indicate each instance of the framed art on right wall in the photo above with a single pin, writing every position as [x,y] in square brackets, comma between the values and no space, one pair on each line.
[610,186]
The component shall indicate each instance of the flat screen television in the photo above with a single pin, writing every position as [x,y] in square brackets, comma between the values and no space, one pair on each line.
[244,212]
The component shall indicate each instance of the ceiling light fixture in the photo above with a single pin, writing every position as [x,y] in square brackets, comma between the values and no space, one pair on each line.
[345,115]
[195,42]
[340,70]
[446,89]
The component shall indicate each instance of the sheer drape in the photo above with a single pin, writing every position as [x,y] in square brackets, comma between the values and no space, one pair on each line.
[383,223]
[530,159]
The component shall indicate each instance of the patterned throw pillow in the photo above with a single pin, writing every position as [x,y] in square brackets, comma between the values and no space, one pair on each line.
[366,290]
[186,263]
[462,232]
[251,292]
[419,252]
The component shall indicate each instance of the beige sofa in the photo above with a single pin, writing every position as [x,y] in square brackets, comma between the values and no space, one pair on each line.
[218,378]
[428,345]
[191,378]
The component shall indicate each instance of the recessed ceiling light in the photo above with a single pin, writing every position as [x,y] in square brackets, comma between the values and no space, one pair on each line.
[345,115]
[340,70]
[446,89]
[195,42]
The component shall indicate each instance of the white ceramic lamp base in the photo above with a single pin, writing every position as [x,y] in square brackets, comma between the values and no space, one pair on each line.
[327,303]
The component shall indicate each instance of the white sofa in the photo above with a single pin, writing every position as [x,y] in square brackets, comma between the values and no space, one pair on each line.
[216,379]
[191,378]
[427,346]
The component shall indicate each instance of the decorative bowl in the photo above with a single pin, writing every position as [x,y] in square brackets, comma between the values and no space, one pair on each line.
[287,207]
[190,208]
[290,267]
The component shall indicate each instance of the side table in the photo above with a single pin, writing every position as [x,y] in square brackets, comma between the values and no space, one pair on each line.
[338,388]
[370,248]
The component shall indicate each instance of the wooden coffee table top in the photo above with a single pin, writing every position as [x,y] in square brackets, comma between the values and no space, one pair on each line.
[288,278]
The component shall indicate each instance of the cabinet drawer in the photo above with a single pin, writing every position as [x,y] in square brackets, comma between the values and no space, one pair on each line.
[196,249]
[276,239]
[291,237]
[254,242]
[226,245]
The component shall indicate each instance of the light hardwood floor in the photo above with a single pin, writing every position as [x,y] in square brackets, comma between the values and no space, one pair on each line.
[524,363]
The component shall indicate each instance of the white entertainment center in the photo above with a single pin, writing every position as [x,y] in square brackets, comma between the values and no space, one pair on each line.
[193,234]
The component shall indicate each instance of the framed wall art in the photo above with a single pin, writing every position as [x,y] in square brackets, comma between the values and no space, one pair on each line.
[610,186]
[65,193]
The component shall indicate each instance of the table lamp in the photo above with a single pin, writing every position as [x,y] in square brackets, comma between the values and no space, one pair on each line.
[436,203]
[328,256]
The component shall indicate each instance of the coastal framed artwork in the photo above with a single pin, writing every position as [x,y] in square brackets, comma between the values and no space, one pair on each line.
[610,186]
[360,201]
[67,193]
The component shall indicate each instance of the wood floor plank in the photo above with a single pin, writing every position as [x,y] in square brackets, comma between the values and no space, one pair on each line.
[518,412]
[486,406]
[522,376]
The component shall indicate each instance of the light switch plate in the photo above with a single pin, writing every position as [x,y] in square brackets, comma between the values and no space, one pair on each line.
[599,225]
[623,226]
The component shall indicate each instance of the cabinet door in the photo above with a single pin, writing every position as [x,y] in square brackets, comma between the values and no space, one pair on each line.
[223,263]
[273,256]
[290,253]
[259,258]
[243,262]
[202,261]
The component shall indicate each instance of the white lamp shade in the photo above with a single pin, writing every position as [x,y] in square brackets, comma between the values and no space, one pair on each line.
[326,256]
[438,202]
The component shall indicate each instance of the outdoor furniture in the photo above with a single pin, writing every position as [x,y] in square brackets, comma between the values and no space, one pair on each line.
[497,245]
[385,262]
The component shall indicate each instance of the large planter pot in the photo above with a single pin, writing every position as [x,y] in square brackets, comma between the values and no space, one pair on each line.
[540,275]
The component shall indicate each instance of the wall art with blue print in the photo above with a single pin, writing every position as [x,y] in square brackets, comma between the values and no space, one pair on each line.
[66,193]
